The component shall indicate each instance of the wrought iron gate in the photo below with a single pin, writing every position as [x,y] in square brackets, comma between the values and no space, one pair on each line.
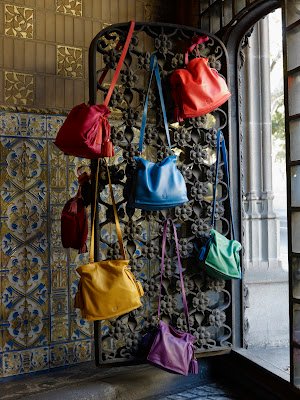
[194,142]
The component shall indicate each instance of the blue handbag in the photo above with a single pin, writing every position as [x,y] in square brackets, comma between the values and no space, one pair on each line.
[160,185]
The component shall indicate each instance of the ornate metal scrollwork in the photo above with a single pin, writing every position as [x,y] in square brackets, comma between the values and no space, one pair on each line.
[194,142]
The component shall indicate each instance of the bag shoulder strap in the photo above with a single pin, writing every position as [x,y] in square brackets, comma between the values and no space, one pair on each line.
[162,268]
[221,145]
[154,71]
[117,222]
[119,65]
[196,40]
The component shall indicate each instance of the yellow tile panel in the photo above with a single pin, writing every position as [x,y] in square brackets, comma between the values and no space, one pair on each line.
[19,21]
[72,7]
[19,88]
[69,61]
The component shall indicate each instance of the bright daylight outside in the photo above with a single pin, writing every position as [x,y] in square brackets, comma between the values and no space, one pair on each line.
[265,218]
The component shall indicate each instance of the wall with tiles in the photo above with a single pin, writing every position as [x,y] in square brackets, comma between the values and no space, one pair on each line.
[43,73]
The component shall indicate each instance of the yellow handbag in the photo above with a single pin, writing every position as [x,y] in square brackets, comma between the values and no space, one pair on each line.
[107,289]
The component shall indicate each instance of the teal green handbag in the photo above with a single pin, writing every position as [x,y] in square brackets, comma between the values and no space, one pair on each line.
[221,255]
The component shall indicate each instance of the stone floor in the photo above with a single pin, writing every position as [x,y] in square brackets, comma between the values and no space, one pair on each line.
[86,382]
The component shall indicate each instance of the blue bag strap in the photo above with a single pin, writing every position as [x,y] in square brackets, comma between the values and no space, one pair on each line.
[154,71]
[221,144]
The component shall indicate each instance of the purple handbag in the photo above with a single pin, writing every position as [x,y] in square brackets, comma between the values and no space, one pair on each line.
[173,349]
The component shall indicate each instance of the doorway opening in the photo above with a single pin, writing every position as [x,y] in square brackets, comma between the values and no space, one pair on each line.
[264,222]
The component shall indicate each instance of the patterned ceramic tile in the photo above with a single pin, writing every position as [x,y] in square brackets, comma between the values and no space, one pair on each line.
[23,167]
[18,362]
[26,271]
[10,124]
[19,21]
[25,217]
[33,171]
[73,7]
[24,163]
[56,229]
[59,302]
[18,88]
[59,355]
[69,61]
[27,326]
[59,328]
[59,273]
[58,170]
[54,122]
[70,353]
[34,125]
[80,328]
[80,351]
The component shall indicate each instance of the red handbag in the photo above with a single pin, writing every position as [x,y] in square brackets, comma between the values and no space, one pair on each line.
[197,89]
[74,221]
[86,130]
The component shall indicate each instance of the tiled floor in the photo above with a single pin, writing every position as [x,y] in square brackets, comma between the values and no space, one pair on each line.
[208,392]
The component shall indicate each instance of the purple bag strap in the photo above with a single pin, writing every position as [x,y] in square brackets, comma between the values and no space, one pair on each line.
[162,268]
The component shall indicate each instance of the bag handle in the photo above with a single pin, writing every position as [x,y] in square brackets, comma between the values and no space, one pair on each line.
[119,65]
[162,268]
[154,71]
[117,222]
[221,144]
[195,41]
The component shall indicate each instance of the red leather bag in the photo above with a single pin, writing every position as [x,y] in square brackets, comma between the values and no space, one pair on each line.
[86,130]
[197,89]
[74,220]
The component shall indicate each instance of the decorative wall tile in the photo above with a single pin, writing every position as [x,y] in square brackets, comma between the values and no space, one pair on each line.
[54,122]
[70,353]
[73,7]
[59,275]
[10,124]
[80,328]
[58,170]
[59,355]
[19,88]
[69,61]
[25,271]
[34,125]
[59,302]
[80,351]
[19,21]
[55,233]
[59,328]
[25,361]
[26,324]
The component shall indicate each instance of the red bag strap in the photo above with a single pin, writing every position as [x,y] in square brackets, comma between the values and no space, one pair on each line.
[196,40]
[106,69]
[119,66]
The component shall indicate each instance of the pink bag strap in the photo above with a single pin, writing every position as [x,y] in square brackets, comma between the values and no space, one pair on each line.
[196,40]
[119,66]
[162,268]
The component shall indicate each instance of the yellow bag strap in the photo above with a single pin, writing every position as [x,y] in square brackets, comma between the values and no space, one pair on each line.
[117,222]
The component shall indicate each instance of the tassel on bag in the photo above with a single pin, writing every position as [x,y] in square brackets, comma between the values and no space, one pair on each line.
[194,368]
